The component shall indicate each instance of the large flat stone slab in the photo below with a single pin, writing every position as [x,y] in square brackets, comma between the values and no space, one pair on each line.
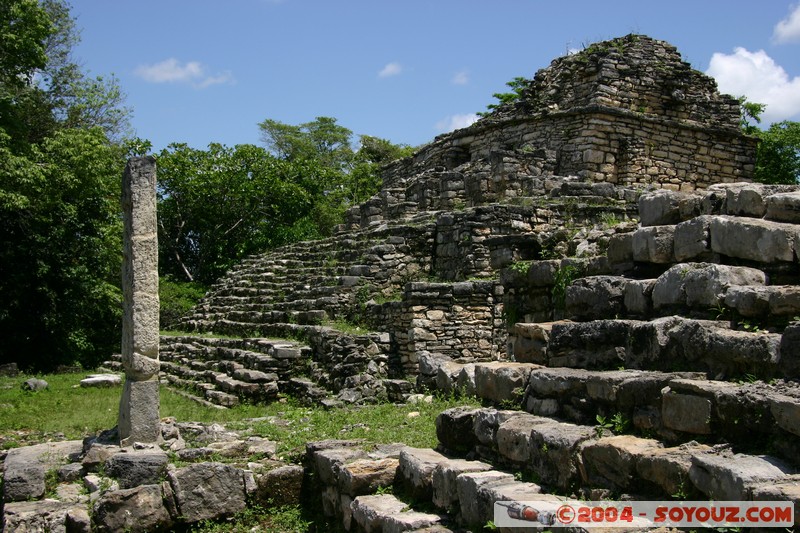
[25,468]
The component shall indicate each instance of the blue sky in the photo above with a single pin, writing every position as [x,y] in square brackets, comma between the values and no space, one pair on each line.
[202,71]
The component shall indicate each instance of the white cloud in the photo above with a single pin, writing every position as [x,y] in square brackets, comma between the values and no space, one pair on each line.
[172,71]
[788,29]
[455,122]
[391,69]
[757,76]
[461,78]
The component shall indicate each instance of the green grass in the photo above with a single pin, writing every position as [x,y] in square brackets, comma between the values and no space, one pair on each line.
[65,408]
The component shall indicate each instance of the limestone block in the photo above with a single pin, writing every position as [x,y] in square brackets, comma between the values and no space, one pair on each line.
[734,476]
[365,476]
[701,284]
[136,509]
[45,515]
[410,521]
[748,301]
[660,207]
[455,429]
[514,438]
[785,300]
[208,491]
[595,297]
[447,376]
[668,468]
[685,412]
[139,191]
[475,511]
[500,381]
[754,239]
[101,380]
[638,296]
[140,253]
[611,461]
[416,470]
[746,200]
[555,451]
[445,488]
[139,419]
[24,469]
[620,248]
[466,380]
[486,423]
[654,244]
[370,512]
[786,411]
[784,207]
[789,363]
[692,238]
[137,467]
[328,462]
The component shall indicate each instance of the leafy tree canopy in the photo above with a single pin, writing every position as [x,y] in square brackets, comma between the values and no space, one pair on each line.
[60,229]
[778,152]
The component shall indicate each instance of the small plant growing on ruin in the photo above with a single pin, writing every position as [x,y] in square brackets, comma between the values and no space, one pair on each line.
[563,278]
[619,423]
[521,267]
[603,424]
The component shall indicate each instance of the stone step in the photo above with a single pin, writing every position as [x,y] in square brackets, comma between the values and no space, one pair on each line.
[566,456]
[666,343]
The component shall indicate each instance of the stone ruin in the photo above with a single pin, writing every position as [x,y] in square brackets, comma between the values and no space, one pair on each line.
[591,261]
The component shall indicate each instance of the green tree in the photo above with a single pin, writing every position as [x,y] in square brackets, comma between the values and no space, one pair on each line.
[778,154]
[60,250]
[778,151]
[60,230]
[218,205]
[517,86]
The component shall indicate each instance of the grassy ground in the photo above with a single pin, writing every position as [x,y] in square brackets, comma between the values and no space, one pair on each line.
[67,411]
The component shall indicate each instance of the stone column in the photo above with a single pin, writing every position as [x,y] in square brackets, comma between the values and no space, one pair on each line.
[139,419]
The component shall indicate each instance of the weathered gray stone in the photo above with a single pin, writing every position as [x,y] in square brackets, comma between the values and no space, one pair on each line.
[365,476]
[660,207]
[733,476]
[684,412]
[101,380]
[654,244]
[416,470]
[611,461]
[693,238]
[638,296]
[486,423]
[754,239]
[409,520]
[145,467]
[34,384]
[668,468]
[24,469]
[445,488]
[370,512]
[555,450]
[501,381]
[138,414]
[139,419]
[789,363]
[620,249]
[746,200]
[280,486]
[207,491]
[328,462]
[782,491]
[475,512]
[786,411]
[465,382]
[455,429]
[47,515]
[701,284]
[595,297]
[748,301]
[514,438]
[784,207]
[138,509]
